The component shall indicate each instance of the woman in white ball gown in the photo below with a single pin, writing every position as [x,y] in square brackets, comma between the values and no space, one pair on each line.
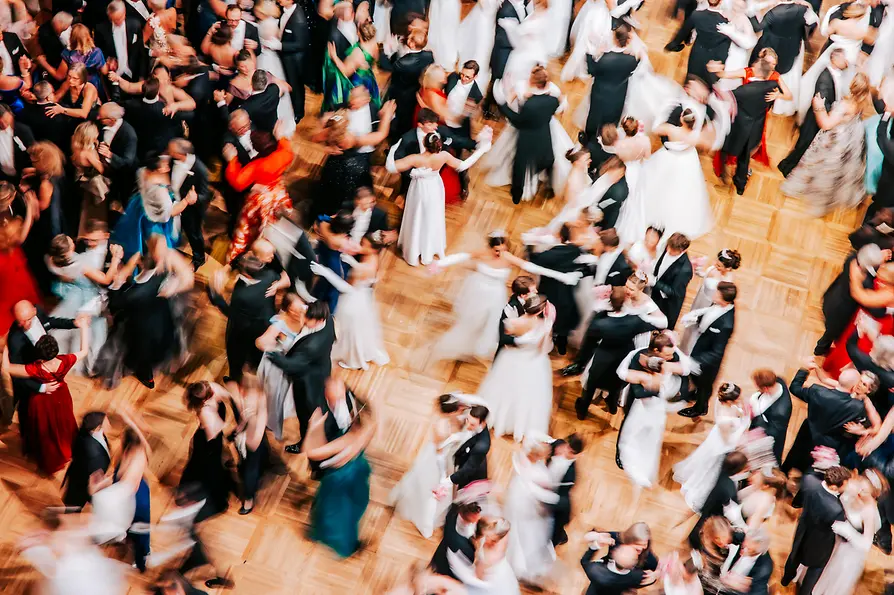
[683,206]
[476,38]
[490,574]
[518,389]
[529,40]
[479,305]
[268,59]
[359,325]
[443,18]
[415,497]
[855,534]
[699,471]
[531,492]
[423,228]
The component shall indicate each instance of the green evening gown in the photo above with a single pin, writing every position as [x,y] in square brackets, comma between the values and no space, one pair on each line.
[341,500]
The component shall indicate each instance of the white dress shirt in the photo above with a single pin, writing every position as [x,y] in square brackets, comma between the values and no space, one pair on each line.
[465,529]
[666,263]
[119,36]
[361,224]
[348,29]
[98,436]
[238,40]
[360,124]
[140,8]
[35,331]
[520,9]
[245,141]
[109,132]
[179,171]
[760,402]
[456,103]
[286,13]
[342,415]
[8,65]
[604,265]
[7,150]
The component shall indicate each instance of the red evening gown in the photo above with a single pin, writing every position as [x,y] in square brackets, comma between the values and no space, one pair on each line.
[761,155]
[18,284]
[838,357]
[51,424]
[449,176]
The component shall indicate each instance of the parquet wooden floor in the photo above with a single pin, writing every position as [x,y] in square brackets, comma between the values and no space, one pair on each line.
[789,257]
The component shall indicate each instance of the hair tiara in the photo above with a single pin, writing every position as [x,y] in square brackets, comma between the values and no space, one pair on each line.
[497,233]
[873,478]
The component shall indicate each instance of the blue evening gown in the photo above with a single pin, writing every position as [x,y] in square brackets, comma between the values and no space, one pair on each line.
[341,500]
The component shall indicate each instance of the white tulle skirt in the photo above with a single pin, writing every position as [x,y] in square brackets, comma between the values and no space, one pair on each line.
[557,36]
[681,206]
[359,331]
[639,444]
[530,551]
[423,228]
[518,390]
[698,472]
[648,95]
[591,29]
[412,497]
[442,39]
[476,330]
[268,60]
[500,158]
[792,79]
[583,297]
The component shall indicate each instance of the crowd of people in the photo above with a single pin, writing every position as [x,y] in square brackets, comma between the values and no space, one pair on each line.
[122,120]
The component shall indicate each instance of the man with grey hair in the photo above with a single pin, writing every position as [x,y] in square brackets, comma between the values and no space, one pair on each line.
[263,103]
[53,37]
[121,40]
[189,174]
[118,149]
[56,129]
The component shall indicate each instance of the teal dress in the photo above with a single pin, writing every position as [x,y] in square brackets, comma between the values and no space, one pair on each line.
[340,503]
[874,156]
[148,213]
[366,77]
[337,87]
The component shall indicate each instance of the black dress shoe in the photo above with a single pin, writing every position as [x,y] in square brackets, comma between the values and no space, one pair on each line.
[611,406]
[618,461]
[561,345]
[150,383]
[572,370]
[693,412]
[294,449]
[244,511]
[581,408]
[219,581]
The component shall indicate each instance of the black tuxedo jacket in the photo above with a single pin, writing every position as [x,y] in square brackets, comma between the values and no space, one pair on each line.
[57,130]
[330,426]
[470,460]
[295,36]
[610,72]
[197,179]
[518,307]
[87,457]
[534,145]
[452,541]
[342,43]
[827,411]
[560,258]
[409,142]
[137,57]
[605,582]
[825,86]
[405,73]
[241,154]
[619,272]
[723,492]
[22,139]
[123,162]
[132,13]
[51,47]
[814,539]
[774,421]
[709,43]
[611,202]
[748,127]
[309,364]
[249,310]
[565,487]
[261,108]
[154,130]
[21,351]
[474,91]
[711,345]
[884,196]
[670,289]
[502,46]
[783,29]
[760,574]
[16,50]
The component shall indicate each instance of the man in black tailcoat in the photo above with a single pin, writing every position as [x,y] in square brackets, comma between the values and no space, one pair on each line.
[814,539]
[714,326]
[523,287]
[89,454]
[295,44]
[611,72]
[189,174]
[118,150]
[131,60]
[459,529]
[533,149]
[560,258]
[517,10]
[470,460]
[752,102]
[783,28]
[830,86]
[710,44]
[771,408]
[308,363]
[562,468]
[670,277]
[406,71]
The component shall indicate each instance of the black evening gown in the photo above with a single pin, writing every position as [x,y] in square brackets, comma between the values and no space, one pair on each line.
[205,471]
[341,177]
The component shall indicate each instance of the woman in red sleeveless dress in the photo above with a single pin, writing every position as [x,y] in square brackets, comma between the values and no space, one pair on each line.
[18,284]
[881,296]
[432,96]
[51,426]
[769,56]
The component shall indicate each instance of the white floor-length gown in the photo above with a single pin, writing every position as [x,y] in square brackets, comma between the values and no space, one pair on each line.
[413,497]
[518,389]
[359,329]
[560,18]
[476,38]
[443,17]
[683,206]
[743,40]
[530,552]
[478,308]
[423,228]
[268,59]
[529,45]
[591,30]
[698,472]
[852,545]
[499,577]
[277,384]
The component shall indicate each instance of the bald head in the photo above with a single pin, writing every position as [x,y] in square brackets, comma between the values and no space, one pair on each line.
[111,111]
[240,123]
[24,312]
[263,250]
[625,556]
[848,379]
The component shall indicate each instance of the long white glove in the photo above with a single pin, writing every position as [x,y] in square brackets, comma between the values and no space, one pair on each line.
[566,278]
[389,162]
[337,282]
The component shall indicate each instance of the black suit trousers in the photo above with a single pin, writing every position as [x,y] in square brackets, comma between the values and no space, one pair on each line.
[704,388]
[293,65]
[241,350]
[799,454]
[809,130]
[191,224]
[743,162]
